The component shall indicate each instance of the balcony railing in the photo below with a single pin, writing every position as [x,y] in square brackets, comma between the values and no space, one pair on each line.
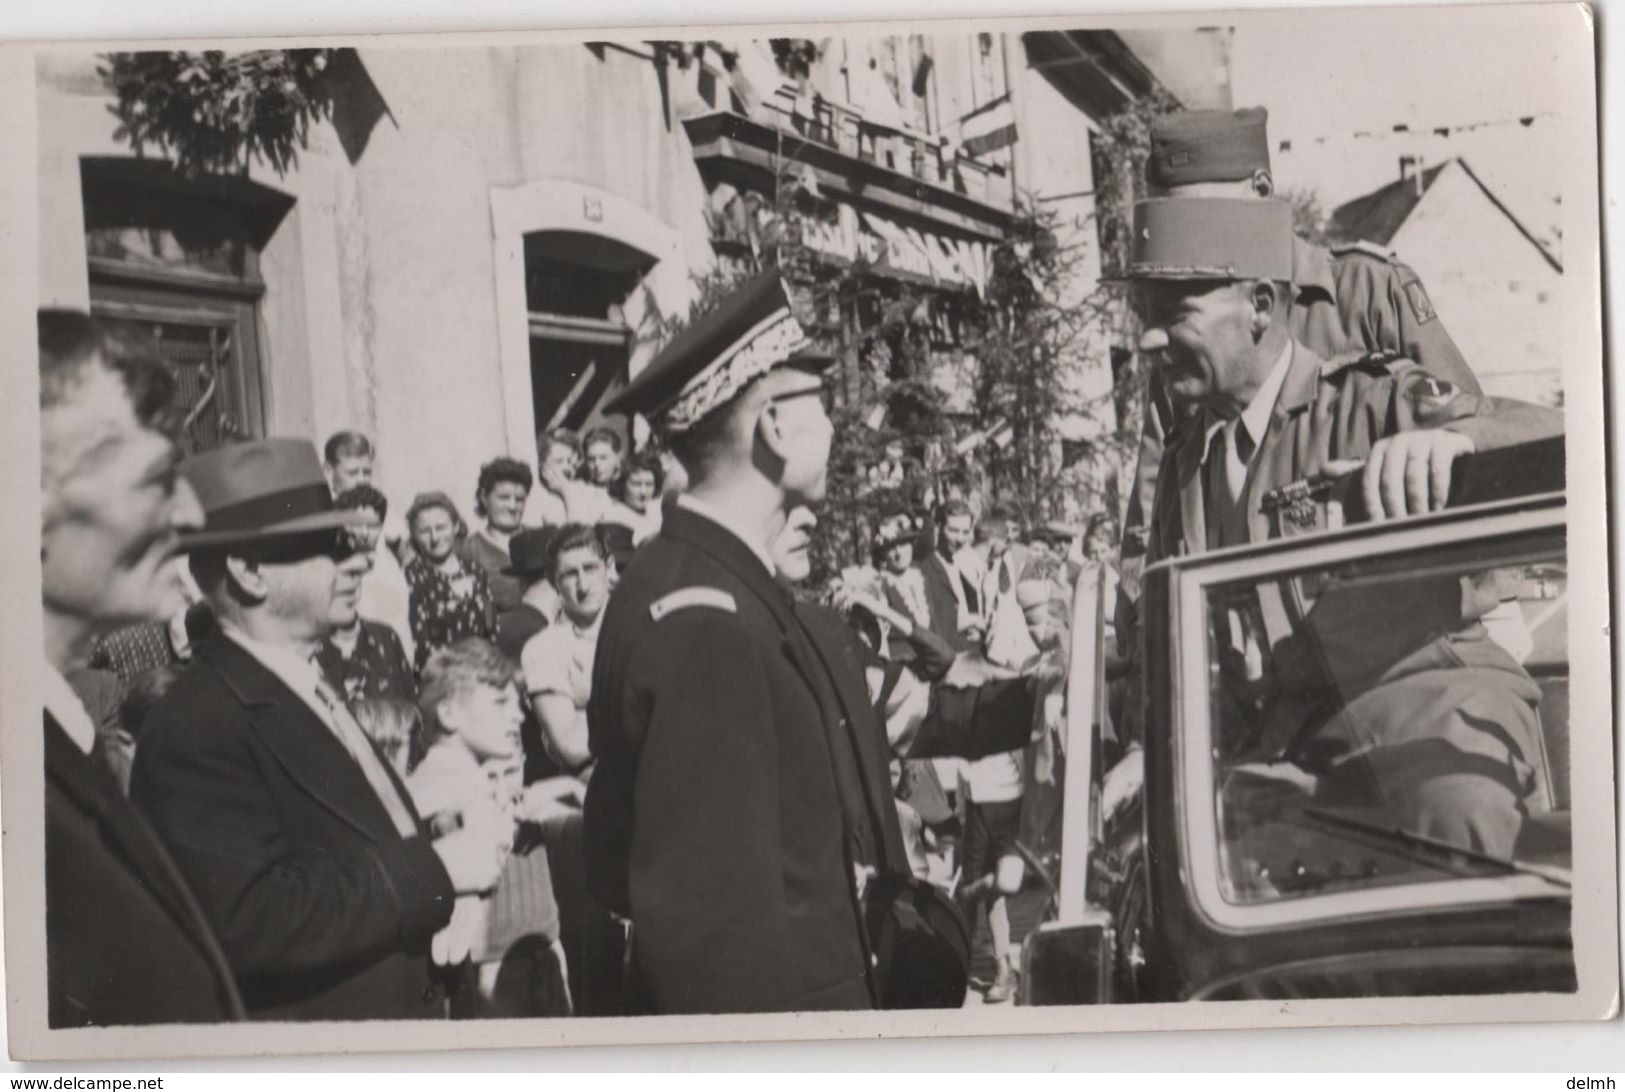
[916,155]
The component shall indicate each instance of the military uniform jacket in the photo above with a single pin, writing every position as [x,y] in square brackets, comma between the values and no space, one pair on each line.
[125,941]
[1326,411]
[324,911]
[738,781]
[1353,300]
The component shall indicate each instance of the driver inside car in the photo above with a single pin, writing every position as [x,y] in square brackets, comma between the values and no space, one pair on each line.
[1394,702]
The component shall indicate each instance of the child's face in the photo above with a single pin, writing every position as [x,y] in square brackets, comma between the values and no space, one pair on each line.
[487,719]
[603,462]
[1046,623]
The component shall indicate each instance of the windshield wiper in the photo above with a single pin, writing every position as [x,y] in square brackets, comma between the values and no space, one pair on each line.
[1562,877]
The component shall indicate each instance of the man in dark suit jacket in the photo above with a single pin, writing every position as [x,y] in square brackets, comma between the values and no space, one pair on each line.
[741,801]
[125,940]
[301,843]
[733,812]
[945,586]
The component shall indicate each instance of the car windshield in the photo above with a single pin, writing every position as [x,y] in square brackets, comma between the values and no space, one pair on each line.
[1391,720]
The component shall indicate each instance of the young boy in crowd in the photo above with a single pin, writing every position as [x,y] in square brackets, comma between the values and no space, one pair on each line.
[473,767]
[558,661]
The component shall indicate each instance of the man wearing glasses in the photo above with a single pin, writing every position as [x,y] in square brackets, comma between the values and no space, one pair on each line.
[319,878]
[734,810]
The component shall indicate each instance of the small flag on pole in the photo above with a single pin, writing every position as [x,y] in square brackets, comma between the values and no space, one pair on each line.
[989,127]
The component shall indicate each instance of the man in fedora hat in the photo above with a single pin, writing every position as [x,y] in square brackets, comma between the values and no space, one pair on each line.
[1212,280]
[301,843]
[125,941]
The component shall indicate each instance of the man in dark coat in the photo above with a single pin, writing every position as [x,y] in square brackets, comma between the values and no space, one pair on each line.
[729,816]
[741,801]
[301,843]
[125,941]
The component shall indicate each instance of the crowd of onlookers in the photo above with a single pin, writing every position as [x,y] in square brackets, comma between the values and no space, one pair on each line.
[953,580]
[451,613]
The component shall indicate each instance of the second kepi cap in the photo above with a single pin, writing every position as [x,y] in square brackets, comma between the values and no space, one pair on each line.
[1212,238]
[1208,146]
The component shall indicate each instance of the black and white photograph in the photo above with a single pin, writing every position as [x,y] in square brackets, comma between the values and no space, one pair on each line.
[979,527]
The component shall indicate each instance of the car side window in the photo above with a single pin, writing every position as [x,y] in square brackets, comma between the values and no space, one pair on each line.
[1395,719]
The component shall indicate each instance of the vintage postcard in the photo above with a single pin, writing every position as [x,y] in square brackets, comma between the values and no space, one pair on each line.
[805,531]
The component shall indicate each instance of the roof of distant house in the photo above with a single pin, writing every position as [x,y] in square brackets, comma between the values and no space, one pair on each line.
[1377,216]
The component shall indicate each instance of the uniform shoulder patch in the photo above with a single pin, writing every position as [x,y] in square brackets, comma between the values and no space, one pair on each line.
[1366,247]
[1417,297]
[683,598]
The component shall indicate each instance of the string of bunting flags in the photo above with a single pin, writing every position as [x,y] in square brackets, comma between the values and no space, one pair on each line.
[1402,128]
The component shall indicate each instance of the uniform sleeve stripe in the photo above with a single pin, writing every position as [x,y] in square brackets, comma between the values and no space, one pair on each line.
[671,602]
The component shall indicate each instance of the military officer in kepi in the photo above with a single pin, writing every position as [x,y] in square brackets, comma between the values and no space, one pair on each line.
[1352,299]
[1212,282]
[738,805]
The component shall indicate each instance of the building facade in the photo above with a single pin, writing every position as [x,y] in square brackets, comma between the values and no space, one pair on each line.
[1494,282]
[496,238]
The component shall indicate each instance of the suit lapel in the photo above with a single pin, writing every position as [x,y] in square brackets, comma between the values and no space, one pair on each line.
[1192,504]
[129,838]
[96,794]
[1298,390]
[305,748]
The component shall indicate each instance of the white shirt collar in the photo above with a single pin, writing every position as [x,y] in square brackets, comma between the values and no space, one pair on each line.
[67,710]
[727,523]
[1257,414]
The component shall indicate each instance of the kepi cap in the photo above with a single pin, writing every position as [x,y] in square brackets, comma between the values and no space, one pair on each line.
[1208,146]
[261,490]
[752,332]
[1211,238]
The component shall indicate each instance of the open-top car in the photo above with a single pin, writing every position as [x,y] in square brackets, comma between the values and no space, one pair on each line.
[1355,767]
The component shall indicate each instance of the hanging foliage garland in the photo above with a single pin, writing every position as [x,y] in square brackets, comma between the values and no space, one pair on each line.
[216,112]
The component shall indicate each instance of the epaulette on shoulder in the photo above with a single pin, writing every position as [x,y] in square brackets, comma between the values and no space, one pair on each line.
[1366,247]
[683,598]
[1380,360]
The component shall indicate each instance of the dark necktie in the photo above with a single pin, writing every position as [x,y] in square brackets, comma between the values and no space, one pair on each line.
[350,734]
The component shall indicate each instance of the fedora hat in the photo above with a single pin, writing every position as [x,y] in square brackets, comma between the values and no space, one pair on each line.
[261,490]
